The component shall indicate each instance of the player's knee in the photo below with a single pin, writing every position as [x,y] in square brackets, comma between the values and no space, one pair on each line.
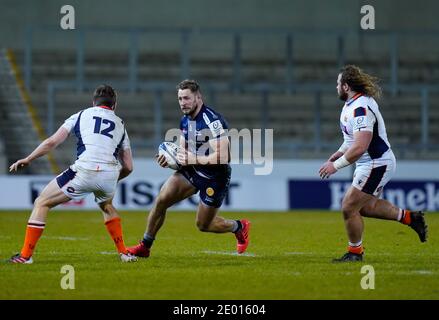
[366,209]
[369,207]
[347,210]
[41,202]
[107,207]
[346,214]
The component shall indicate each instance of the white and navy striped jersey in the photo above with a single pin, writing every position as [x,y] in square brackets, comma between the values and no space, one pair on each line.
[101,134]
[361,113]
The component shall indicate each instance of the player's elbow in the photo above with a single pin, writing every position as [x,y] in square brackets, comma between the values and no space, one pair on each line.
[128,168]
[50,143]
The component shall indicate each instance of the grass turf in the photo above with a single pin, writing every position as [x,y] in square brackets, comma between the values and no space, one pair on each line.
[289,257]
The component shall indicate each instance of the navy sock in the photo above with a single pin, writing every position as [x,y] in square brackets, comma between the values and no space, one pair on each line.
[238,222]
[147,240]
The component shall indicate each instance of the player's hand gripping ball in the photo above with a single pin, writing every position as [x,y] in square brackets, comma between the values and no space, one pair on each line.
[170,150]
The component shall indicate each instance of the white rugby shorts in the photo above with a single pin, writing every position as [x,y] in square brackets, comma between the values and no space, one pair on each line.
[371,177]
[77,183]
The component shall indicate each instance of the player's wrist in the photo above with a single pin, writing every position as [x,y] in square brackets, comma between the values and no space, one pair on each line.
[341,163]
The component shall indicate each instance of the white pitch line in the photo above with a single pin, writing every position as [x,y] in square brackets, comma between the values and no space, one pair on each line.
[420,272]
[65,238]
[55,253]
[230,253]
[298,253]
[108,252]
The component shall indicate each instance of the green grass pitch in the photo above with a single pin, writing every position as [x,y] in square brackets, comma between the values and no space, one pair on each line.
[289,257]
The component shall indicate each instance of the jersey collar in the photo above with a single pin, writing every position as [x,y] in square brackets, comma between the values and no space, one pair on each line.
[355,97]
[105,107]
[199,112]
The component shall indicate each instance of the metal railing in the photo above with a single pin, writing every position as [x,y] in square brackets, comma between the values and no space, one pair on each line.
[288,45]
[264,91]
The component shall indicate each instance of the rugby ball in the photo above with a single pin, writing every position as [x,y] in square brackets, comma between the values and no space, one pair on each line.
[170,150]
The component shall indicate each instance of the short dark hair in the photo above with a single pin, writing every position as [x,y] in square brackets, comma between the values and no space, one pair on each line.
[105,95]
[189,84]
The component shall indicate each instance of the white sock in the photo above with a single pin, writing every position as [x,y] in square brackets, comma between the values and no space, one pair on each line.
[356,244]
[235,226]
[400,213]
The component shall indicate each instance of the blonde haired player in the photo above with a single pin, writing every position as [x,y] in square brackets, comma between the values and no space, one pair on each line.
[104,158]
[203,170]
[366,144]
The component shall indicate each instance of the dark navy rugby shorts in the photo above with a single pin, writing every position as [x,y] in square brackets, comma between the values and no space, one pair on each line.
[213,189]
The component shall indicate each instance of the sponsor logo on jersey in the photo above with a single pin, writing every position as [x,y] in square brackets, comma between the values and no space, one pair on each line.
[210,191]
[216,127]
[70,190]
[360,122]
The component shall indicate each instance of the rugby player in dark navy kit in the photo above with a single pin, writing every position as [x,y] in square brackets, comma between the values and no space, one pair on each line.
[204,157]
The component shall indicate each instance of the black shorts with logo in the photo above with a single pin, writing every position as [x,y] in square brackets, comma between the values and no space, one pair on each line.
[213,183]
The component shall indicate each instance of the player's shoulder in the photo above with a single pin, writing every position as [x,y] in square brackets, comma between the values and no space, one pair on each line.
[360,101]
[118,118]
[210,111]
[76,115]
[109,114]
[209,115]
[214,121]
[360,106]
[363,100]
[87,110]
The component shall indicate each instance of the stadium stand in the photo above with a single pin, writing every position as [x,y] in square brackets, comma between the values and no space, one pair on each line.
[17,119]
[303,121]
[276,74]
